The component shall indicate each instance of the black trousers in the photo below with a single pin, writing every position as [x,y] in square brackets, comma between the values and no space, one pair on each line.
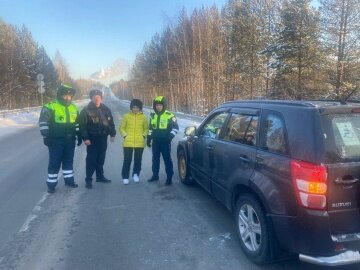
[128,153]
[165,150]
[95,157]
[61,154]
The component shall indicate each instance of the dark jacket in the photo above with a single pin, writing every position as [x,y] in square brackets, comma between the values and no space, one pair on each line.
[95,122]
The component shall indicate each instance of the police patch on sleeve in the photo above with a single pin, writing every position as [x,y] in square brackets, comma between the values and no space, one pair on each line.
[174,119]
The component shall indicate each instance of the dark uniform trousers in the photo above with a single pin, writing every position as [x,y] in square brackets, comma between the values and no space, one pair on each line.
[164,149]
[61,154]
[95,158]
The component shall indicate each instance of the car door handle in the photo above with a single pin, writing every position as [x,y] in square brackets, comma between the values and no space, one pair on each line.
[346,180]
[210,147]
[259,160]
[244,158]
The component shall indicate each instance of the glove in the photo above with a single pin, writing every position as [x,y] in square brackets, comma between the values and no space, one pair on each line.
[47,141]
[148,141]
[79,141]
[171,136]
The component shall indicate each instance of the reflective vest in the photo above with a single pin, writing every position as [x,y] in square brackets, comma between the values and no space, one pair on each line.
[63,114]
[161,125]
[161,121]
[64,121]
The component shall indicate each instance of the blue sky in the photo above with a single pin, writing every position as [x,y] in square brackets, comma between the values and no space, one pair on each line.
[92,34]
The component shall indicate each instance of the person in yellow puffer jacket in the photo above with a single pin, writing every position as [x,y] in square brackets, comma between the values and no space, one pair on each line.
[133,128]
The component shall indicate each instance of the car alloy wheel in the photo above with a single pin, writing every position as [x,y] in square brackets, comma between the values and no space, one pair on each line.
[182,167]
[249,227]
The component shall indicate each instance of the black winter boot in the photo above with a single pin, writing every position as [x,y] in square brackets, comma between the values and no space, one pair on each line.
[103,180]
[153,178]
[168,181]
[72,185]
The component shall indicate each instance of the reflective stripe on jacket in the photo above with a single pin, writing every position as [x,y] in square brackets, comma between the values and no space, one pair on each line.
[162,126]
[134,128]
[59,120]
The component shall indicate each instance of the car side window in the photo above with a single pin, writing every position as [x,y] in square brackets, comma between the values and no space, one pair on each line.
[213,126]
[242,128]
[273,134]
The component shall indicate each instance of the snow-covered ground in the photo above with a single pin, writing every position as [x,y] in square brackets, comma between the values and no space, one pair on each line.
[16,121]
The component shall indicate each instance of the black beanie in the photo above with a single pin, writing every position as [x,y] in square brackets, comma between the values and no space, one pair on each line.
[94,92]
[137,103]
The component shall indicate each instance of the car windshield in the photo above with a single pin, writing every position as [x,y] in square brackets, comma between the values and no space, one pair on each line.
[342,137]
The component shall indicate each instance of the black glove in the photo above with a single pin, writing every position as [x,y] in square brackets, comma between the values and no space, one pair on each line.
[79,141]
[148,141]
[170,137]
[47,141]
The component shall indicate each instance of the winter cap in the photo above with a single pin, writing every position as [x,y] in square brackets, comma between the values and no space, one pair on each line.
[137,103]
[95,92]
[65,90]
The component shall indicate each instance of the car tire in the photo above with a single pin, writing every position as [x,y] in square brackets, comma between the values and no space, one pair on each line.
[253,229]
[183,167]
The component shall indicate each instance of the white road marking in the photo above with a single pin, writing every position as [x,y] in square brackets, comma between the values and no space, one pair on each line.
[25,227]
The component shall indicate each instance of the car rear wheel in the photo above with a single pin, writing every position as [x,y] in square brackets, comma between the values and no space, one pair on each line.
[252,228]
[183,168]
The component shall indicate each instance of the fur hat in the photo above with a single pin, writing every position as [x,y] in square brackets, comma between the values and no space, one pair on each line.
[95,92]
[137,103]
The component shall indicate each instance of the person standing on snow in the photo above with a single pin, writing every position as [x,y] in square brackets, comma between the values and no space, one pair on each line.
[59,126]
[134,128]
[162,129]
[96,123]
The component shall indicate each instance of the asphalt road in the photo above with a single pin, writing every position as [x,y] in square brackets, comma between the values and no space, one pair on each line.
[112,226]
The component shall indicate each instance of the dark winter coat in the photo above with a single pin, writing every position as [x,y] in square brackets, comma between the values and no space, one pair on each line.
[96,121]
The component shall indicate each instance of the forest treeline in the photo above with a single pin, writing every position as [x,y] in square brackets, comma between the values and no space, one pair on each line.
[21,59]
[277,49]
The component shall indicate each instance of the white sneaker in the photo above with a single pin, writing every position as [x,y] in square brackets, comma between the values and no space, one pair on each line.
[126,181]
[136,178]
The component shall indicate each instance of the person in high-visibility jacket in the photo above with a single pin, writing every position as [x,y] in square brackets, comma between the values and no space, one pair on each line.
[134,129]
[162,129]
[59,127]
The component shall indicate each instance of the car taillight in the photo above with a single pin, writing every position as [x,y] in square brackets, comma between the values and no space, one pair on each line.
[310,183]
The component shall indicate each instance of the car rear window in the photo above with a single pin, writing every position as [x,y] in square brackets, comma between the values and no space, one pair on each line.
[342,137]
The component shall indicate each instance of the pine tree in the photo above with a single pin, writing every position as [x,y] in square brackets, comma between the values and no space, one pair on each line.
[341,38]
[297,51]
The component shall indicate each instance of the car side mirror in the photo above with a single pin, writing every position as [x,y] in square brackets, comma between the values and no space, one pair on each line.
[190,131]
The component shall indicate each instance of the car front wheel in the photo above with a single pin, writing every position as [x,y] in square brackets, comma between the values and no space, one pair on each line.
[183,168]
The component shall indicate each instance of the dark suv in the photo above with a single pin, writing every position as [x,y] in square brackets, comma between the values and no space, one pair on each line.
[288,170]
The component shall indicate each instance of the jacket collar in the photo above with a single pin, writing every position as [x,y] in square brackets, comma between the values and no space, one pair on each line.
[92,105]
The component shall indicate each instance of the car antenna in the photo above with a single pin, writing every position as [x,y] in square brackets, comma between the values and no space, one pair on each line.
[343,101]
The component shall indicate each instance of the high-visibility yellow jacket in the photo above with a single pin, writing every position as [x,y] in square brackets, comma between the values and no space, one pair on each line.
[59,120]
[134,128]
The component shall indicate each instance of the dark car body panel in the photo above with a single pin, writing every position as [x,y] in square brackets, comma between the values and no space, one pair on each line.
[233,166]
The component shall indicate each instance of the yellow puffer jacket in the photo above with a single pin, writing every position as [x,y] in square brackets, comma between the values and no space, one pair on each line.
[134,128]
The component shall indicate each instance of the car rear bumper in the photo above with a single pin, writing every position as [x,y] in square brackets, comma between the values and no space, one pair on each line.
[347,257]
[308,234]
